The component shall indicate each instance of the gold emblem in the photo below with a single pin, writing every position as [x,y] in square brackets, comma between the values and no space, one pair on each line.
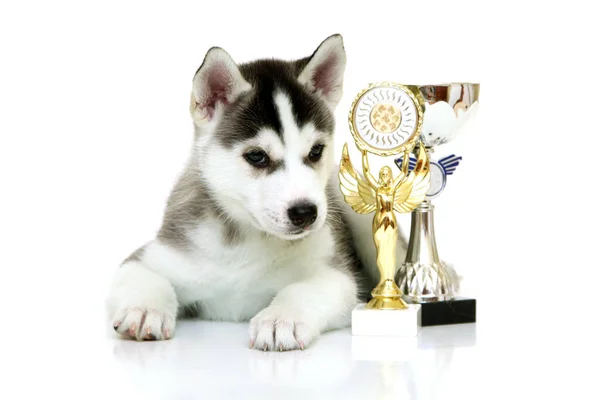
[386,118]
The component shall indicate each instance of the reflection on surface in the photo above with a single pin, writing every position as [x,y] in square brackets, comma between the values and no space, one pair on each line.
[213,357]
[410,367]
[459,335]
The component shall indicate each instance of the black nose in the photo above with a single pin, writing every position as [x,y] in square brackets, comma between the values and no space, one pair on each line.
[303,214]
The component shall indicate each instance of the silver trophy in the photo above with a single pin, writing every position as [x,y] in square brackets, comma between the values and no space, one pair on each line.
[423,278]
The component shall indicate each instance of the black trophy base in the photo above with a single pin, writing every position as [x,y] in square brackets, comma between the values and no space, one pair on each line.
[459,310]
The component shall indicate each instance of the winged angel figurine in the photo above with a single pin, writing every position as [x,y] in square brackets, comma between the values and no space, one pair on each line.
[384,196]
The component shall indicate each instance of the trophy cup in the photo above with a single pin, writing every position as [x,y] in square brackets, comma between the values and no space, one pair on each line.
[385,120]
[423,278]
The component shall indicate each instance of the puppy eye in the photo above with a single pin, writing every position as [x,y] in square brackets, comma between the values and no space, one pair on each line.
[316,152]
[257,158]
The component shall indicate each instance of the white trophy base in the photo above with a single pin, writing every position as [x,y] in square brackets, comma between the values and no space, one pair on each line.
[399,323]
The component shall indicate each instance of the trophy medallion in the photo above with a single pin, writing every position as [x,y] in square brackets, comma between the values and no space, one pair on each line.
[386,118]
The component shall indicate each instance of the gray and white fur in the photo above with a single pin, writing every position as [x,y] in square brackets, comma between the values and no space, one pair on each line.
[255,228]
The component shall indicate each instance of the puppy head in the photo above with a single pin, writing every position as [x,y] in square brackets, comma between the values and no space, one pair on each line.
[264,134]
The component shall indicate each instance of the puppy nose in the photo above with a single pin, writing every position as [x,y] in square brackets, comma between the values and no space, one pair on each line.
[303,214]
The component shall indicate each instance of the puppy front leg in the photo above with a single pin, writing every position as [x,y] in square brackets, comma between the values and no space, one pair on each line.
[142,304]
[301,311]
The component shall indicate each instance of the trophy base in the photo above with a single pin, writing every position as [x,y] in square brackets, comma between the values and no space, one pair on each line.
[459,310]
[371,322]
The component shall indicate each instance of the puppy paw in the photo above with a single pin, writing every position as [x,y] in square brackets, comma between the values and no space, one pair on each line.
[144,324]
[142,304]
[276,329]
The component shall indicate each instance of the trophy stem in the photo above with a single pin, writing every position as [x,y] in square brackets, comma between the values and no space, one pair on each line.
[423,277]
[422,234]
[387,294]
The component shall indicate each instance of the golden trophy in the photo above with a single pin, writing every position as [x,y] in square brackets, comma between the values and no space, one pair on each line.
[385,120]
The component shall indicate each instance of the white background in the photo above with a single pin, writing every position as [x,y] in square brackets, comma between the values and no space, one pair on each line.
[94,128]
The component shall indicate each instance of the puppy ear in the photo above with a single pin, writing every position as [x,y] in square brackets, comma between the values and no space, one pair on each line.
[217,83]
[324,72]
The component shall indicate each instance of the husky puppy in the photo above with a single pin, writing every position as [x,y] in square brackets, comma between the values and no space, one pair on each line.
[253,229]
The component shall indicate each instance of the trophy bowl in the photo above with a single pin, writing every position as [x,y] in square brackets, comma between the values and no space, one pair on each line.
[449,108]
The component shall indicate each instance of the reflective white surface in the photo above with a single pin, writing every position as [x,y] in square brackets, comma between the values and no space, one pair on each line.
[210,360]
